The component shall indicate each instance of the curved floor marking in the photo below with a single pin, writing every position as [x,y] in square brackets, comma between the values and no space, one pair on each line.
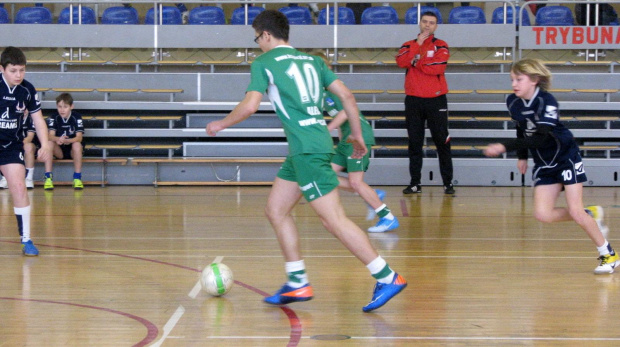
[295,323]
[151,328]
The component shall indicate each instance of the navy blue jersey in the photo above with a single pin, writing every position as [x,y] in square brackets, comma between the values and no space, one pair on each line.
[66,127]
[532,115]
[13,102]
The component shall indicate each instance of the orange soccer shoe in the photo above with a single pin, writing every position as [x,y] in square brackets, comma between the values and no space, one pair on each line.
[288,294]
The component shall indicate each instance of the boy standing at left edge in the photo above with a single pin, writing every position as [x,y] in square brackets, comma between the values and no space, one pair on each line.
[18,95]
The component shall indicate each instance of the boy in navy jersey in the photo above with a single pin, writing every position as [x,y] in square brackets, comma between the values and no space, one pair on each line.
[66,131]
[16,96]
[557,163]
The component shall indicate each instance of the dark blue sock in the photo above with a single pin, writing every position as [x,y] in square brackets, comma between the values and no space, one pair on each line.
[77,175]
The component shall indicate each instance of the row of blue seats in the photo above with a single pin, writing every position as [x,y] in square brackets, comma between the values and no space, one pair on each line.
[549,15]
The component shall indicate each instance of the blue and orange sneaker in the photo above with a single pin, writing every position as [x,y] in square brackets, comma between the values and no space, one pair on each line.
[384,292]
[288,294]
[29,249]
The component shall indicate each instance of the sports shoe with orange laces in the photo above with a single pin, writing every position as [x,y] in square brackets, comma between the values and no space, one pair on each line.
[288,294]
[384,292]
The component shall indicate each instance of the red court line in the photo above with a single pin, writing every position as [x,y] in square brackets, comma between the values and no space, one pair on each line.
[403,208]
[151,329]
[293,319]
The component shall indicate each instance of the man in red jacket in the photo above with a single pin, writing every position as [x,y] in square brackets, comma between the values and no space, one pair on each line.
[425,59]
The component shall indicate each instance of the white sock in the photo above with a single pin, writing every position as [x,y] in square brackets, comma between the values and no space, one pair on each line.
[296,272]
[380,270]
[604,249]
[389,216]
[23,221]
[29,172]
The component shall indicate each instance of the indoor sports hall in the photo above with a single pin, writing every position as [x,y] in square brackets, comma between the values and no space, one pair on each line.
[120,261]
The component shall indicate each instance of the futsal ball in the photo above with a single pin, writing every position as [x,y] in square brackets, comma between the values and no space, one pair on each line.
[217,279]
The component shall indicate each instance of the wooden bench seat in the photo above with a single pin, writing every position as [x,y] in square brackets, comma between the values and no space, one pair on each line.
[462,91]
[494,91]
[490,62]
[206,160]
[73,90]
[170,148]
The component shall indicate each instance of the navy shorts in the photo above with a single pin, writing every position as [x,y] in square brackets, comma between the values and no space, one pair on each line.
[569,172]
[13,154]
[66,150]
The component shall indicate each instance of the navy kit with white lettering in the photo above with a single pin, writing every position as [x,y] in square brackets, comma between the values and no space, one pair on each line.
[551,144]
[13,102]
[66,127]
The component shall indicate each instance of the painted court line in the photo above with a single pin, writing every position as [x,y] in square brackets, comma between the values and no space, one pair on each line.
[172,322]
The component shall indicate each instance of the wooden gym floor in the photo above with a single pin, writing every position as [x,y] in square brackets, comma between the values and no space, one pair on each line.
[119,266]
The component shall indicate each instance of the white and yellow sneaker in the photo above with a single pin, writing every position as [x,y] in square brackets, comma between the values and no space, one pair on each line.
[608,264]
[598,214]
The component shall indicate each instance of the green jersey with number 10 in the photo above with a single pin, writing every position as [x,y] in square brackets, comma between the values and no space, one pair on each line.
[294,82]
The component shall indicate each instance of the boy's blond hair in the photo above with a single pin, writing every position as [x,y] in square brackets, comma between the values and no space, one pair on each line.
[535,70]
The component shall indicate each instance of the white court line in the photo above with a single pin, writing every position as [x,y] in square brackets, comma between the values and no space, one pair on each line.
[172,322]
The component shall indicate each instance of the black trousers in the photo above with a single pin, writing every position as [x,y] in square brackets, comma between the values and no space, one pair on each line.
[433,111]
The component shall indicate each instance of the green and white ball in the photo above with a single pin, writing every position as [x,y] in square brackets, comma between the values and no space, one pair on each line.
[217,279]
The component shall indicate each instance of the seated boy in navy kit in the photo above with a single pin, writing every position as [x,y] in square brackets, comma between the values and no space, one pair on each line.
[66,131]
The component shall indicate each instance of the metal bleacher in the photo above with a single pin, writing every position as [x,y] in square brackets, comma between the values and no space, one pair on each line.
[147,91]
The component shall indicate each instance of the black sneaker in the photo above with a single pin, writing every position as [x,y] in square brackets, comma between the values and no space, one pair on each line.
[413,189]
[449,189]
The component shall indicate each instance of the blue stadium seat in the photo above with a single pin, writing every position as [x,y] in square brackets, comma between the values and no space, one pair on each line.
[88,15]
[467,15]
[345,16]
[207,15]
[380,15]
[297,14]
[4,16]
[33,15]
[554,15]
[171,15]
[119,15]
[238,15]
[498,16]
[411,16]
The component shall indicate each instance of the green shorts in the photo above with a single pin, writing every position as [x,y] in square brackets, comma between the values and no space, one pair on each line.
[313,173]
[343,158]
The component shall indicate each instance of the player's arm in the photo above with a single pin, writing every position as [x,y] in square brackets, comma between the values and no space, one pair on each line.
[29,137]
[537,140]
[352,112]
[247,107]
[51,135]
[78,138]
[337,121]
[406,54]
[41,128]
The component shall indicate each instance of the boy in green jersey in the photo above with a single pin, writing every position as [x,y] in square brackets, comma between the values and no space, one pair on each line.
[342,161]
[294,82]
